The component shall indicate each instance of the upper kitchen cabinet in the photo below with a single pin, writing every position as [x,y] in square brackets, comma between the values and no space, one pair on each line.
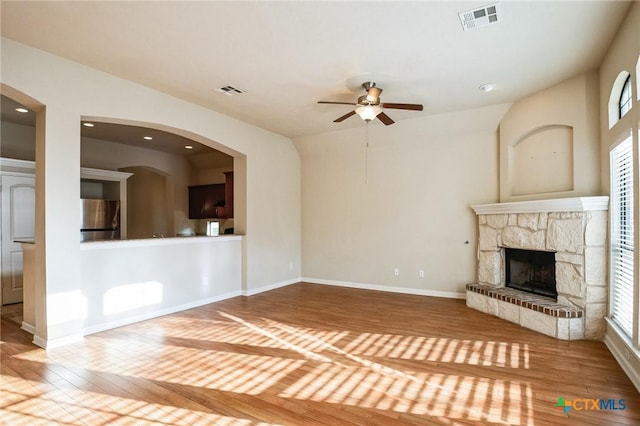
[212,201]
[207,201]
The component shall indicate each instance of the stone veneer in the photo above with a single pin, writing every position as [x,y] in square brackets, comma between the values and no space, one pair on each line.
[576,230]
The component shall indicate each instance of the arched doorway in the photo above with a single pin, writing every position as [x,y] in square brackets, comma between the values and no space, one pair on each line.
[22,130]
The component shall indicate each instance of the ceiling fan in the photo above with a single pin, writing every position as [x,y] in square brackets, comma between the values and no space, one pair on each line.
[369,106]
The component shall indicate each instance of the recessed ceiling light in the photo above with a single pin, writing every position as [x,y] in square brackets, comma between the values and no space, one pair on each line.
[148,138]
[88,124]
[188,147]
[487,87]
[22,110]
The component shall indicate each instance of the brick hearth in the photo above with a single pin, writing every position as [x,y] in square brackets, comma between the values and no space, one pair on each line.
[535,312]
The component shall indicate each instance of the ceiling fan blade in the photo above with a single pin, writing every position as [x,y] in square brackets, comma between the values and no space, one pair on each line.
[344,117]
[336,103]
[413,107]
[385,119]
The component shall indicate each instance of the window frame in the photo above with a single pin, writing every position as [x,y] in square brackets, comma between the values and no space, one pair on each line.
[626,95]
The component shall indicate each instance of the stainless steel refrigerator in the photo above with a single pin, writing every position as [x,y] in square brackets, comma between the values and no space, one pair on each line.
[100,220]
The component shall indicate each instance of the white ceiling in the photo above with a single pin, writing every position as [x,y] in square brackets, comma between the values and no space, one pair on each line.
[289,55]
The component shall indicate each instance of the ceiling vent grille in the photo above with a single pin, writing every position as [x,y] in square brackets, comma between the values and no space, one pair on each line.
[477,18]
[230,90]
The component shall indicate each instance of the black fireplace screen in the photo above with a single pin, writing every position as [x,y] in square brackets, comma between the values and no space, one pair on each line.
[531,271]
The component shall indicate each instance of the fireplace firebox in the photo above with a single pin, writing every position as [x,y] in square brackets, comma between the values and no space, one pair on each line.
[531,271]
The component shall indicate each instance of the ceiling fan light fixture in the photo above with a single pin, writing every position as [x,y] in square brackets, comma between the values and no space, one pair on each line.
[368,112]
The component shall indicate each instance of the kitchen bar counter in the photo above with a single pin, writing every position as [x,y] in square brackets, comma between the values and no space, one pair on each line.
[154,242]
[125,281]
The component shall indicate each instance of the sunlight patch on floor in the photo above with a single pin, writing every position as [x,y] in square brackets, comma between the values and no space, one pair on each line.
[26,402]
[438,395]
[266,357]
[439,349]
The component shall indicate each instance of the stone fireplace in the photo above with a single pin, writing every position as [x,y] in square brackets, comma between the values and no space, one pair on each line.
[575,231]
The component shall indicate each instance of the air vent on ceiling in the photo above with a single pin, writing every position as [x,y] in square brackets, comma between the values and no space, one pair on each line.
[230,90]
[476,18]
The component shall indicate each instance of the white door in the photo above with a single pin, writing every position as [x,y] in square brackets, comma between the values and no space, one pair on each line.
[18,223]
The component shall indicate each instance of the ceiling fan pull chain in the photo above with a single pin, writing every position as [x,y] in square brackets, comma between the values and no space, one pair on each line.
[366,153]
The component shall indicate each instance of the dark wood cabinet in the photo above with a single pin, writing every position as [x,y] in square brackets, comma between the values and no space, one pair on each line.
[228,193]
[212,201]
[204,201]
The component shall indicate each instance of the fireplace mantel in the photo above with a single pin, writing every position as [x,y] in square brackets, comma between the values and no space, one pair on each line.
[575,204]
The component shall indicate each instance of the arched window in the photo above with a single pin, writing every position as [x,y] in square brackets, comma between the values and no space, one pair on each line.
[617,96]
[624,104]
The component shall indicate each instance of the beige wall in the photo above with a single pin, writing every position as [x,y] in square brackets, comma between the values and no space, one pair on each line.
[63,92]
[212,175]
[413,214]
[549,143]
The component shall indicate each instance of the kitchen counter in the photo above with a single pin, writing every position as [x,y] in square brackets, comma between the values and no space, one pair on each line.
[154,242]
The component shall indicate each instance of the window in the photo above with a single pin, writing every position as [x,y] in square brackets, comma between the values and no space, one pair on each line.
[622,266]
[620,92]
[638,78]
[624,104]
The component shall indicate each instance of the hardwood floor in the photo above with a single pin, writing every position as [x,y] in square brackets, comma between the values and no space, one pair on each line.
[12,313]
[313,354]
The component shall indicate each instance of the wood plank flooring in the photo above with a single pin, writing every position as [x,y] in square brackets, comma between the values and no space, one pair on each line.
[12,313]
[313,355]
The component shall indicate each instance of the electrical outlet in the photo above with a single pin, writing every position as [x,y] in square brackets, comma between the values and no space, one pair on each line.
[291,266]
[421,273]
[396,272]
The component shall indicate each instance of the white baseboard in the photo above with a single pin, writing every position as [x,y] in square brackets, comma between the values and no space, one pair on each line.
[44,343]
[154,314]
[270,287]
[619,350]
[31,329]
[403,290]
[55,343]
